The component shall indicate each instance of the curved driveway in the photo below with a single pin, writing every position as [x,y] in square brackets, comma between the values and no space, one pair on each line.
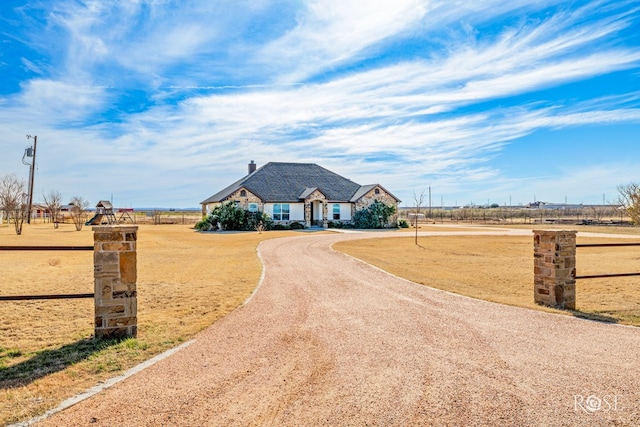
[329,340]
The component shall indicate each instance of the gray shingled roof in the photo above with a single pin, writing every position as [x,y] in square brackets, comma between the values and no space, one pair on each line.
[285,182]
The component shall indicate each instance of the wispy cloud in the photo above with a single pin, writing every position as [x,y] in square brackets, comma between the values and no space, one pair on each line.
[321,81]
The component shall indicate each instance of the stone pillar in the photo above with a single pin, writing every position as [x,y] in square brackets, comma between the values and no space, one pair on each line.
[308,221]
[555,268]
[115,275]
[325,210]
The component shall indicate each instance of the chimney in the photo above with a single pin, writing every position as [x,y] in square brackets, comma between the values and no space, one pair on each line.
[252,167]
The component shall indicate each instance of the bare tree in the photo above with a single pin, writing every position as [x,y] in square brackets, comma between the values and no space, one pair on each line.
[14,200]
[79,208]
[630,199]
[53,200]
[419,200]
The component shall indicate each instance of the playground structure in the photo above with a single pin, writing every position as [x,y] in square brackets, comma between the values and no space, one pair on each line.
[104,214]
[125,215]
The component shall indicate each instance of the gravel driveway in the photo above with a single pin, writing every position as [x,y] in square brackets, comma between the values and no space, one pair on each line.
[329,340]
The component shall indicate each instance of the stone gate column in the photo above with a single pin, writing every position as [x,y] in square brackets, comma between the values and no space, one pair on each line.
[555,268]
[115,276]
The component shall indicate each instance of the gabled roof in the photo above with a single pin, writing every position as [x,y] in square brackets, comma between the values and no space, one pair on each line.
[104,204]
[366,188]
[286,182]
[278,182]
[308,191]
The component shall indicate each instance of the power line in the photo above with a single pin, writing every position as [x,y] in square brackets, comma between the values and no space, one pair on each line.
[10,128]
[4,125]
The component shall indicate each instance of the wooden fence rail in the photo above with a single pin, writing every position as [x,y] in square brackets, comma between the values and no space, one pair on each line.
[37,297]
[605,245]
[115,276]
[52,296]
[46,248]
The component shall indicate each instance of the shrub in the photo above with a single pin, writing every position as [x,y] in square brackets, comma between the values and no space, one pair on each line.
[228,216]
[375,216]
[205,224]
[402,223]
[296,226]
[257,220]
[231,217]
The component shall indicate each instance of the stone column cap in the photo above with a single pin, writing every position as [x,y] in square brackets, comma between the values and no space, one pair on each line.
[114,228]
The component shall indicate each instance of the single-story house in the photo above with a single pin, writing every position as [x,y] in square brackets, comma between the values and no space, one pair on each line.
[300,192]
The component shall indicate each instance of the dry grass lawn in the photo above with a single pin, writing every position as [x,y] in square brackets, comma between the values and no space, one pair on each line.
[500,269]
[186,281]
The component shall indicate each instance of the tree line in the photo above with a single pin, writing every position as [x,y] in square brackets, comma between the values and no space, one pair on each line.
[14,205]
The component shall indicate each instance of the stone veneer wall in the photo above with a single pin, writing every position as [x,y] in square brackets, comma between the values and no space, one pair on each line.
[555,268]
[244,201]
[371,196]
[115,277]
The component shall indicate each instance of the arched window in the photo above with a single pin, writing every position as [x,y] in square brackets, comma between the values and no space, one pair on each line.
[377,191]
[243,193]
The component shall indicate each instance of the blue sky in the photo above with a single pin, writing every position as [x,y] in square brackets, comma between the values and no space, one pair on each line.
[163,103]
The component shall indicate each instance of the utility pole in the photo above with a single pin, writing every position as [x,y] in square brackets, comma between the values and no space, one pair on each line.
[32,168]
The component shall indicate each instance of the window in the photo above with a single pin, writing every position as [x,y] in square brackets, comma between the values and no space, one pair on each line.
[253,207]
[243,193]
[281,211]
[377,191]
[336,211]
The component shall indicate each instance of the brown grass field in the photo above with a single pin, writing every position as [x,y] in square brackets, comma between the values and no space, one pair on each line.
[188,280]
[500,269]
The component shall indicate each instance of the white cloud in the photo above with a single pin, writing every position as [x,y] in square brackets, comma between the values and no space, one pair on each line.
[330,32]
[429,115]
[47,103]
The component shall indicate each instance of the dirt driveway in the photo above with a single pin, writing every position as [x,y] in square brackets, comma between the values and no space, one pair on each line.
[329,340]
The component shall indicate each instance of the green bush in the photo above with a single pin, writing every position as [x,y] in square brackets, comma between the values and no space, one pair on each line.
[296,226]
[339,224]
[375,216]
[228,216]
[254,219]
[402,223]
[204,225]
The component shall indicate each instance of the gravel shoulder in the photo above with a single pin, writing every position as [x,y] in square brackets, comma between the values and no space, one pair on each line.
[329,340]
